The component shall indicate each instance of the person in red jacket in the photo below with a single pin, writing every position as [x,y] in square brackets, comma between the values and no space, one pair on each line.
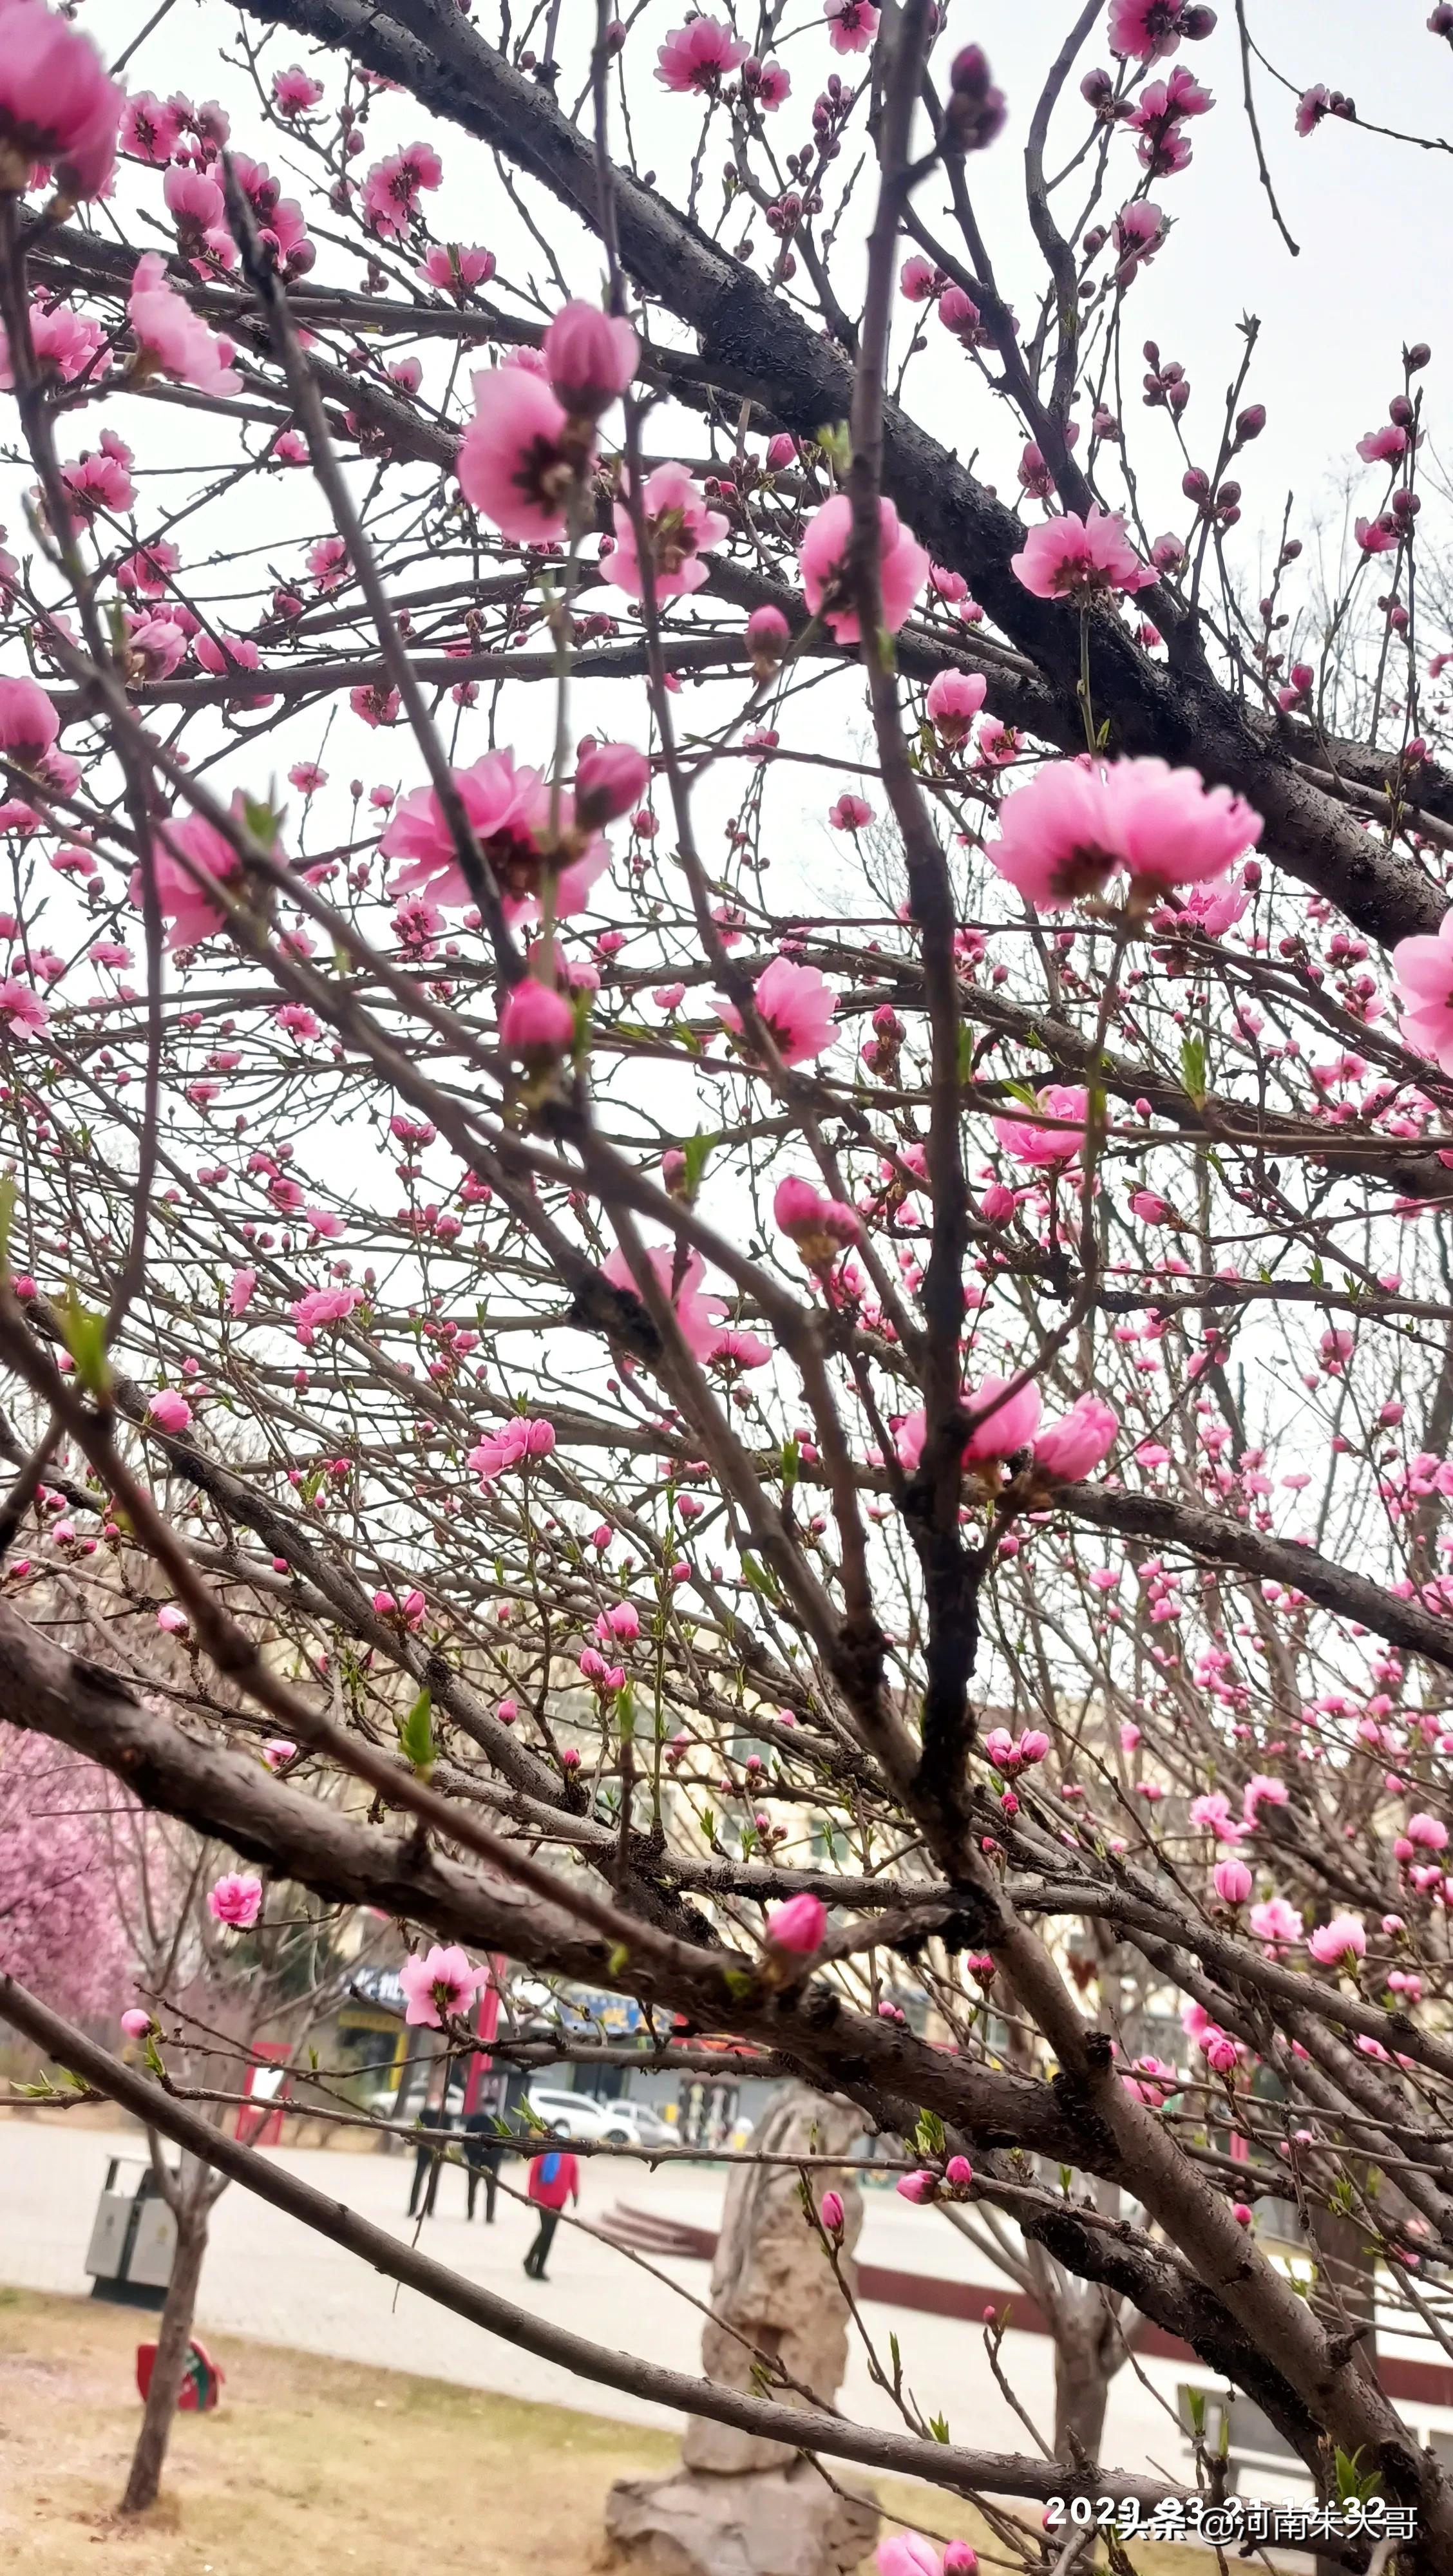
[554,2179]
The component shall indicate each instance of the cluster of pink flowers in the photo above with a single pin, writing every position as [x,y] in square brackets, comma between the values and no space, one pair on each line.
[392,188]
[510,811]
[907,2553]
[516,1444]
[1076,824]
[1147,30]
[1004,1419]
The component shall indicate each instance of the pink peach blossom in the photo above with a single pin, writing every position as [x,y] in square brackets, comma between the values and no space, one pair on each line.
[852,24]
[151,127]
[456,269]
[391,189]
[66,344]
[184,902]
[953,702]
[56,103]
[1146,30]
[1055,842]
[517,1441]
[917,2187]
[22,1008]
[1079,1440]
[439,1985]
[680,528]
[512,464]
[509,808]
[1068,1105]
[171,340]
[29,721]
[294,91]
[1343,1938]
[1000,1423]
[1276,1922]
[1074,558]
[699,55]
[679,1280]
[1170,828]
[169,1410]
[235,1899]
[820,1227]
[797,1006]
[1423,975]
[823,564]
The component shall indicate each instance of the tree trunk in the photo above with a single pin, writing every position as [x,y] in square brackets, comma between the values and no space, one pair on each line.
[1081,2391]
[144,2482]
[1346,2259]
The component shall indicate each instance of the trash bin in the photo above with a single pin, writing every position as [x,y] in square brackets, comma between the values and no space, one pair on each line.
[134,2238]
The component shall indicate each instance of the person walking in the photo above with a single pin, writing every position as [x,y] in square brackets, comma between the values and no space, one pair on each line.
[483,2155]
[554,2179]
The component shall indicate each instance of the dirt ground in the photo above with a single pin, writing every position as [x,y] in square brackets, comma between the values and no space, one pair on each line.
[319,2468]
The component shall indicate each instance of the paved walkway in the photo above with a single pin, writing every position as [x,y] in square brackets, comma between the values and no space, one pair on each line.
[267,2275]
[270,2277]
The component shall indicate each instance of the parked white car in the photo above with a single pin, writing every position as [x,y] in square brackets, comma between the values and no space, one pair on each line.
[615,2124]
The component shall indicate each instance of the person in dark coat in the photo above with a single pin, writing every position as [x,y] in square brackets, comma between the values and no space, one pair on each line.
[483,2154]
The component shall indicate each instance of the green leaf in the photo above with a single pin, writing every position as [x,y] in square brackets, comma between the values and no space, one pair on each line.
[84,1333]
[619,1959]
[791,1460]
[938,2427]
[695,1154]
[416,1736]
[836,443]
[626,1712]
[262,822]
[929,2135]
[1193,1069]
[7,1220]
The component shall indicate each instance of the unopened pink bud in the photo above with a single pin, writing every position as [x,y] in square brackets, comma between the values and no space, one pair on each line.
[590,359]
[798,1925]
[610,778]
[535,1021]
